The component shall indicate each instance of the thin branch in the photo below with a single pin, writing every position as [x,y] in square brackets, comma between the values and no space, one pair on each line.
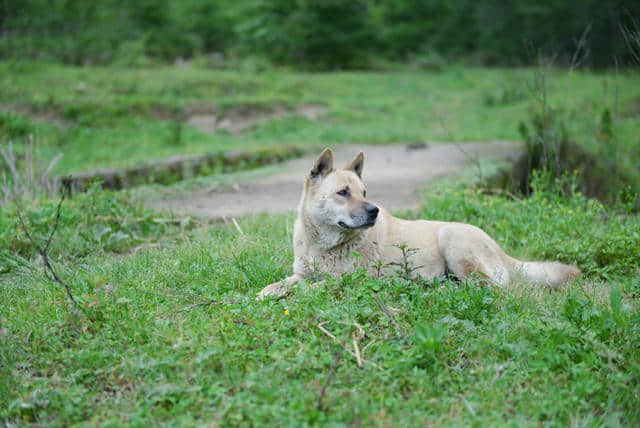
[55,222]
[336,361]
[49,272]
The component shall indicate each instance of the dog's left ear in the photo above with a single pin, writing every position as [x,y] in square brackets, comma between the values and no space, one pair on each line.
[323,165]
[356,164]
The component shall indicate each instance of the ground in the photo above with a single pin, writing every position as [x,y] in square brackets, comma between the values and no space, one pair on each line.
[394,174]
[169,332]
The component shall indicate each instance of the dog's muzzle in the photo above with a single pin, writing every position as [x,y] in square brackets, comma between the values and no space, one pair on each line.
[366,219]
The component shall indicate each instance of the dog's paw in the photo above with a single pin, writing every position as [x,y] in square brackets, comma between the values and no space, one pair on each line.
[276,289]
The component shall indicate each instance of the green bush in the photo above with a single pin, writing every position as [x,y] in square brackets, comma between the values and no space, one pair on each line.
[320,34]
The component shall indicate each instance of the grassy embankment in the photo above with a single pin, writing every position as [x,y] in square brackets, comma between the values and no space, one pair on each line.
[100,117]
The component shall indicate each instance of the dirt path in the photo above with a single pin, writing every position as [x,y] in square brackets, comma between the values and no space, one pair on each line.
[392,173]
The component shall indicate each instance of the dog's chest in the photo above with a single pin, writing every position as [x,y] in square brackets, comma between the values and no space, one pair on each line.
[344,258]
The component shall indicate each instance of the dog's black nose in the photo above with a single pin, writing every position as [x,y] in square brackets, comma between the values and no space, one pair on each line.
[372,210]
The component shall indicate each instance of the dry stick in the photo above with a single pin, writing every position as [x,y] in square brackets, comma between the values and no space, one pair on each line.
[332,371]
[55,223]
[357,350]
[349,351]
[49,272]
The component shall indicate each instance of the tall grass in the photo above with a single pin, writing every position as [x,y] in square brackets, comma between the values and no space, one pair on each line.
[24,176]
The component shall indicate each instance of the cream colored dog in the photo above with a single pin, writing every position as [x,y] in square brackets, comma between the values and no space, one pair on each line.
[335,221]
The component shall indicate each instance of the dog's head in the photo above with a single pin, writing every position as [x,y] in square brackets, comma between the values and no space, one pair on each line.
[337,198]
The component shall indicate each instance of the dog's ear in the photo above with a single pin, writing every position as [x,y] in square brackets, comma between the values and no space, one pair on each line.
[356,165]
[323,165]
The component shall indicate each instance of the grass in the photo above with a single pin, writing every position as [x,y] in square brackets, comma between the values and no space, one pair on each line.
[92,114]
[173,334]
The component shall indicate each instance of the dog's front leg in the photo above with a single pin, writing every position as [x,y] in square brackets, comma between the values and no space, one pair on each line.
[280,288]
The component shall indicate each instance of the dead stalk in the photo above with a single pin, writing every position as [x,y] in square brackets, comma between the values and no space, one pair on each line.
[349,351]
[49,272]
[357,350]
[26,177]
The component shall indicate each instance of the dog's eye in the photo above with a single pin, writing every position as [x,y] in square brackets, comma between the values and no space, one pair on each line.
[343,192]
[364,193]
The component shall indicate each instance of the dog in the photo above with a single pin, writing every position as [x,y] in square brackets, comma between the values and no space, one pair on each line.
[335,220]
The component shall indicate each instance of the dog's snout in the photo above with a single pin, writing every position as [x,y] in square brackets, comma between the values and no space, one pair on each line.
[372,210]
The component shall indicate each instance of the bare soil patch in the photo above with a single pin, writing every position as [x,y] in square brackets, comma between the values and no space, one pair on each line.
[393,174]
[241,118]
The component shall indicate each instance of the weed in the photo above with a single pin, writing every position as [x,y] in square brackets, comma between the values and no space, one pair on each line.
[27,178]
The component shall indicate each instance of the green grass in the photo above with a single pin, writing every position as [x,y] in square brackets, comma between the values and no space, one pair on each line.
[173,334]
[113,116]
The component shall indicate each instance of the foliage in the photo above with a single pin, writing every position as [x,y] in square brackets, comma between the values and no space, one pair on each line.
[79,32]
[321,34]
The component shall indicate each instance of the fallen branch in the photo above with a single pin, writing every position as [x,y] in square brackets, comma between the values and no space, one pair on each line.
[49,272]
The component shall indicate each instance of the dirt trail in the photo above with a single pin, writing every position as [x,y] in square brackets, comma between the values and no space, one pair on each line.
[392,174]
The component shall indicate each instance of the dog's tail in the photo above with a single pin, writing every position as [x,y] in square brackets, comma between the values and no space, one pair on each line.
[548,273]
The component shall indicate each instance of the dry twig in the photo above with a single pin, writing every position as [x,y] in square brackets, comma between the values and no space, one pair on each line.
[49,272]
[349,351]
[357,350]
